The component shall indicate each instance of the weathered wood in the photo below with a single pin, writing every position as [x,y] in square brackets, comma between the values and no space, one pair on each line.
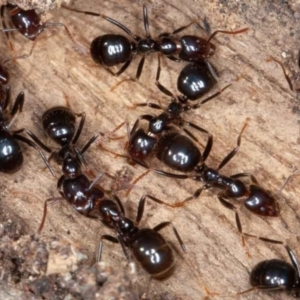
[270,146]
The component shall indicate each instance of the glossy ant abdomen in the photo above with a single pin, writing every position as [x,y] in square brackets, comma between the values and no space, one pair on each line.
[11,157]
[147,245]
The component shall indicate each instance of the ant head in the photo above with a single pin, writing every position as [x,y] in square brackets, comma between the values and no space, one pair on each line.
[175,108]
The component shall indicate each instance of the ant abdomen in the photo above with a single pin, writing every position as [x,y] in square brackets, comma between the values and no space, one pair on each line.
[28,22]
[11,156]
[267,204]
[59,124]
[273,273]
[111,49]
[153,253]
[196,79]
[177,152]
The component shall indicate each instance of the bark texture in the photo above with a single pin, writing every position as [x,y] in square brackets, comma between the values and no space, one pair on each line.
[56,74]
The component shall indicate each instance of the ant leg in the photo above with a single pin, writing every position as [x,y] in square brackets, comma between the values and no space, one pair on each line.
[141,206]
[226,32]
[48,201]
[288,180]
[77,46]
[40,143]
[116,23]
[138,178]
[162,88]
[165,224]
[237,218]
[209,143]
[18,105]
[231,154]
[80,127]
[178,30]
[195,106]
[287,77]
[5,27]
[241,175]
[118,200]
[100,248]
[7,97]
[140,68]
[146,22]
[33,145]
[30,52]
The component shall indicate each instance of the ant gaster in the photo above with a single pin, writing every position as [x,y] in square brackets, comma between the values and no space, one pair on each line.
[112,49]
[148,247]
[11,157]
[29,24]
[275,274]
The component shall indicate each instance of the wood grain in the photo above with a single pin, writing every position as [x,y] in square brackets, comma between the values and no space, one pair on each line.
[270,146]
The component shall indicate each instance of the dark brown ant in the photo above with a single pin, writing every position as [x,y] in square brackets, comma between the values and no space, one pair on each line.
[29,24]
[148,247]
[112,49]
[11,157]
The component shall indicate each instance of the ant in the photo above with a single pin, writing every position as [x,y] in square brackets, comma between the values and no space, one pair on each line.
[29,24]
[59,124]
[11,157]
[255,198]
[147,245]
[112,49]
[275,274]
[162,138]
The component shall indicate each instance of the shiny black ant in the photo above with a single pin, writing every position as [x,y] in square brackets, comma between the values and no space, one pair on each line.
[11,157]
[275,274]
[59,125]
[29,24]
[148,247]
[255,198]
[112,49]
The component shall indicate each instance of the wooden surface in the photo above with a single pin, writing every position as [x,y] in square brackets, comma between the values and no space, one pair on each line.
[270,145]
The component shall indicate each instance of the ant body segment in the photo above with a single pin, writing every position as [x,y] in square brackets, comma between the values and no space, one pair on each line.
[147,245]
[29,24]
[11,157]
[59,125]
[112,49]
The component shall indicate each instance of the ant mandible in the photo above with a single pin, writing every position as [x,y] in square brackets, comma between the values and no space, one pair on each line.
[29,24]
[112,49]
